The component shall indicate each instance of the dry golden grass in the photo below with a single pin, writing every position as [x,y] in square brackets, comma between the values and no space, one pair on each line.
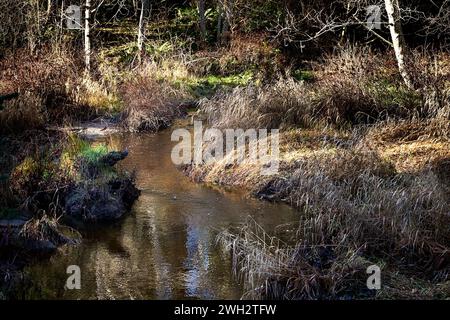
[412,146]
[353,86]
[365,197]
[399,222]
[150,103]
[23,113]
[285,102]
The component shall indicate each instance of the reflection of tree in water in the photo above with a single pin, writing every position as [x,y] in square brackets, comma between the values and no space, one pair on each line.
[166,248]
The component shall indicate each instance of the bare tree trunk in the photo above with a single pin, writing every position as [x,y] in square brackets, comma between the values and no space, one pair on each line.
[140,40]
[223,26]
[219,21]
[202,18]
[87,36]
[398,40]
[61,21]
[225,30]
[226,33]
[49,10]
[344,30]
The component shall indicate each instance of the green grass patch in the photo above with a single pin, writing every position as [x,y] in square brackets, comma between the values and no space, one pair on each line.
[78,147]
[207,86]
[94,153]
[303,75]
[392,95]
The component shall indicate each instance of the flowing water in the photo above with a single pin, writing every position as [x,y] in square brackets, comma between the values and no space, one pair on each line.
[166,247]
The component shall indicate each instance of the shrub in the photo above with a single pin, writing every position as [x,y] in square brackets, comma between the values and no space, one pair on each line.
[244,54]
[149,104]
[24,113]
[53,88]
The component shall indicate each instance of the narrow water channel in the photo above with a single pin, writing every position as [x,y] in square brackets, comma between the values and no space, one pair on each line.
[166,247]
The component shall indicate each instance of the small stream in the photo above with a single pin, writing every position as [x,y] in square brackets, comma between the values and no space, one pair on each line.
[166,248]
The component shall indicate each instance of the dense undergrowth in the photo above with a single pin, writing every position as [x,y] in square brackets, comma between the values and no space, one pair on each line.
[364,158]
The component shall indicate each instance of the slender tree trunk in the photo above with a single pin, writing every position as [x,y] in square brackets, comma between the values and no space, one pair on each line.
[202,18]
[219,21]
[61,20]
[225,29]
[226,33]
[61,15]
[87,36]
[344,30]
[49,10]
[223,26]
[398,40]
[141,31]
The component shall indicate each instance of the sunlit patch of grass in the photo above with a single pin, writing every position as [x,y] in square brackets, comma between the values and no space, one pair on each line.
[313,138]
[94,153]
[415,156]
[95,96]
[77,150]
[81,148]
[411,145]
[120,28]
[208,85]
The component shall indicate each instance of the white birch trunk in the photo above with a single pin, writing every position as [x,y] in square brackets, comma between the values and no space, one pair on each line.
[140,39]
[87,36]
[398,41]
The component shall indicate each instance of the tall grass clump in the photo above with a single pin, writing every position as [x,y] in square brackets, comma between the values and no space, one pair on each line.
[352,86]
[431,72]
[282,103]
[150,104]
[355,210]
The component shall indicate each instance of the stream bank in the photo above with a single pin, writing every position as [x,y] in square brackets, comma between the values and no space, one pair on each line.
[166,248]
[375,195]
[63,187]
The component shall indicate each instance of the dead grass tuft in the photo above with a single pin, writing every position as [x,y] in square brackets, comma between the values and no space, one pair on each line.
[357,207]
[270,106]
[149,104]
[353,86]
[24,113]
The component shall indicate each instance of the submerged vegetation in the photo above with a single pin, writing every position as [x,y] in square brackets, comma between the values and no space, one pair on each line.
[365,149]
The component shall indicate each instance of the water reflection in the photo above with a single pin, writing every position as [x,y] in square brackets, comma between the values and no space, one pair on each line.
[166,248]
